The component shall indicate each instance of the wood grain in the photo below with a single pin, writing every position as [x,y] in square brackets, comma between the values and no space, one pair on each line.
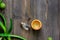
[47,11]
[52,19]
[59,17]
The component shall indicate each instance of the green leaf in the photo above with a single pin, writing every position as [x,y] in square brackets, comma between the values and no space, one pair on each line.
[0,1]
[3,18]
[49,38]
[15,36]
[10,29]
[3,27]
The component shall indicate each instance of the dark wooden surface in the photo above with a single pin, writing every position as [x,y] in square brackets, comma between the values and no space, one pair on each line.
[48,11]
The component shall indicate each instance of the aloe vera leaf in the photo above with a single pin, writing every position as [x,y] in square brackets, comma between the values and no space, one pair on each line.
[8,35]
[3,18]
[10,29]
[3,27]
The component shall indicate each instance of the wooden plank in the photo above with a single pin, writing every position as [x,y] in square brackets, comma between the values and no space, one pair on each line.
[8,11]
[19,16]
[53,30]
[42,16]
[33,15]
[38,12]
[17,9]
[59,17]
